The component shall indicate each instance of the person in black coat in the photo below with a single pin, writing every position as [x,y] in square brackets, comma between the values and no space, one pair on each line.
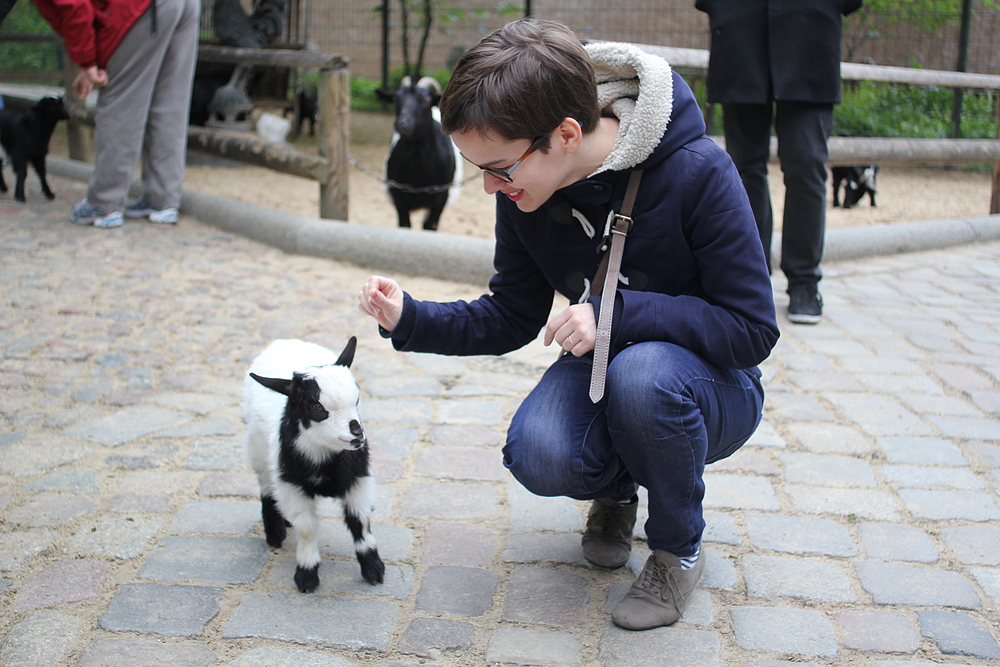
[777,62]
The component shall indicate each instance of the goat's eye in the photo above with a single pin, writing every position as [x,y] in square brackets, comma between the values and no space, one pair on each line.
[317,412]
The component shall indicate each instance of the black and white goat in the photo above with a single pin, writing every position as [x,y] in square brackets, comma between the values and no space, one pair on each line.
[423,169]
[858,181]
[304,439]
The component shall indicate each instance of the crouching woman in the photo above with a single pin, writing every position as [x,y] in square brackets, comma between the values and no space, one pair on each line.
[558,130]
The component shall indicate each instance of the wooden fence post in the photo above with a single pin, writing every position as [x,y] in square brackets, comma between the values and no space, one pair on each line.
[995,192]
[334,100]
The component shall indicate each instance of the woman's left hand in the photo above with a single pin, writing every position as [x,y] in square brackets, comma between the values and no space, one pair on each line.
[574,329]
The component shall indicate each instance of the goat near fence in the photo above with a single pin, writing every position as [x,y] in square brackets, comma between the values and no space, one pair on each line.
[422,163]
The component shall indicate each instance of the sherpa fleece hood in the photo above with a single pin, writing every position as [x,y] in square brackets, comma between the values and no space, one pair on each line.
[638,88]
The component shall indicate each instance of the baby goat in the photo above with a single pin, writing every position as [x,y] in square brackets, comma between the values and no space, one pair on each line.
[304,439]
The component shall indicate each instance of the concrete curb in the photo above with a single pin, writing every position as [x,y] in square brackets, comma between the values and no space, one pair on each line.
[470,260]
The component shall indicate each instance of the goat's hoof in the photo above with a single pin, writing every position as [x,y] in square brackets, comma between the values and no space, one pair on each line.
[49,195]
[372,567]
[307,579]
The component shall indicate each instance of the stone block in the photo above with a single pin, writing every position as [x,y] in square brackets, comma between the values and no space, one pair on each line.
[467,411]
[51,509]
[881,631]
[121,537]
[801,631]
[44,637]
[105,651]
[974,545]
[879,415]
[739,491]
[827,438]
[426,636]
[861,503]
[799,535]
[224,484]
[896,583]
[462,591]
[944,505]
[206,559]
[531,646]
[826,470]
[72,480]
[546,597]
[535,548]
[18,547]
[921,451]
[174,611]
[127,424]
[341,576]
[449,500]
[659,647]
[230,517]
[314,620]
[893,541]
[529,512]
[287,657]
[927,477]
[796,578]
[958,633]
[462,463]
[458,543]
[465,435]
[62,582]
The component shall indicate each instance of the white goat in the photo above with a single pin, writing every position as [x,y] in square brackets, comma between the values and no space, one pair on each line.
[304,439]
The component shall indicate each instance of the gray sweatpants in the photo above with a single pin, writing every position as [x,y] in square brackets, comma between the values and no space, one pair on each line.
[143,111]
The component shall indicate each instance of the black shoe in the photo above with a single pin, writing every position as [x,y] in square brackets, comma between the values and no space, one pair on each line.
[805,305]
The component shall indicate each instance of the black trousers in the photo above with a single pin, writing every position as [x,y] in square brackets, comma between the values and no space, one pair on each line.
[803,130]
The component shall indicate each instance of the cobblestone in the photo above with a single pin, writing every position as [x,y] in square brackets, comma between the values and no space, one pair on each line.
[858,525]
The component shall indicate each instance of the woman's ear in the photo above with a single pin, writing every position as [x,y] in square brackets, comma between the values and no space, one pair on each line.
[569,135]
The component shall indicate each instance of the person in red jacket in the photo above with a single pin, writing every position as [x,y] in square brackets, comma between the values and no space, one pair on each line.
[142,54]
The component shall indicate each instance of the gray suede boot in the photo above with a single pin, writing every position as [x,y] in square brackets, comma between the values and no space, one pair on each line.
[608,539]
[659,595]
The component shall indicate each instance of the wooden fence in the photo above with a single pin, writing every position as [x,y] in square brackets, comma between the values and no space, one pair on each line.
[331,167]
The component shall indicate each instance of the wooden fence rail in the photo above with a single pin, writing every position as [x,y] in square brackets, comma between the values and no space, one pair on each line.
[331,168]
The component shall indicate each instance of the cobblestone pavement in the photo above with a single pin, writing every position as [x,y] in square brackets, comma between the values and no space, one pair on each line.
[860,526]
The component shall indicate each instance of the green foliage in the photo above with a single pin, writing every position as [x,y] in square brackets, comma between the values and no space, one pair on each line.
[24,19]
[871,109]
[363,96]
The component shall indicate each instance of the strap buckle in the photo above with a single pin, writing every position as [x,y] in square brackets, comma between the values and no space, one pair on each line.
[623,229]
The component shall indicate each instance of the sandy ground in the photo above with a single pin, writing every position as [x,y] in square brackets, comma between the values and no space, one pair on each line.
[905,194]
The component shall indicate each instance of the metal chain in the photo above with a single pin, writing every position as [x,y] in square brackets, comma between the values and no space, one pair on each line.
[402,186]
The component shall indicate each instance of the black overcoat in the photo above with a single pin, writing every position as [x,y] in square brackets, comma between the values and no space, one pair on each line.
[767,50]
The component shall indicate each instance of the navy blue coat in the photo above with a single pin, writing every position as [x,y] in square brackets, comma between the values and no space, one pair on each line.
[767,50]
[693,264]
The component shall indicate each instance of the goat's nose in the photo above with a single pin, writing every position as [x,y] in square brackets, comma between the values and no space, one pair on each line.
[356,428]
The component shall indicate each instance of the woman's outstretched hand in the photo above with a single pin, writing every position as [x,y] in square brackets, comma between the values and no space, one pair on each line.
[382,298]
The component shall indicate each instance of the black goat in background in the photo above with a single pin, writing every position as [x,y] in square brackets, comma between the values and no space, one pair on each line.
[858,181]
[422,164]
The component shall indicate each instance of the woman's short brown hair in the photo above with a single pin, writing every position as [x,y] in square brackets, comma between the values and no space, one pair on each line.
[521,82]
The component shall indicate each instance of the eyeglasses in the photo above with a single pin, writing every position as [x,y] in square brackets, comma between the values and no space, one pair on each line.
[504,174]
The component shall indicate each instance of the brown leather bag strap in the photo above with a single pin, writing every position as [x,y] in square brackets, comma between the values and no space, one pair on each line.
[621,225]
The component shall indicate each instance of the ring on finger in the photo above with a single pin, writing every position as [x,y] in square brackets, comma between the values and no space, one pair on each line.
[571,343]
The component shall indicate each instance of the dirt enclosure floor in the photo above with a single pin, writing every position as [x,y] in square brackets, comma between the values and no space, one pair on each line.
[904,193]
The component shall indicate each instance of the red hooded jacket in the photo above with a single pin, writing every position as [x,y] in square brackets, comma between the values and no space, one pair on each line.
[92,29]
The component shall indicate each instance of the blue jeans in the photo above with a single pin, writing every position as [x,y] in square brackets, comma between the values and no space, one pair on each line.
[665,414]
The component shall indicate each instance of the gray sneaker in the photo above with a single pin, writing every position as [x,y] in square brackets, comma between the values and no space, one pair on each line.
[608,539]
[659,595]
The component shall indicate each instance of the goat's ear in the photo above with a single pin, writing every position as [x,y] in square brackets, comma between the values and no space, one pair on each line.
[279,385]
[347,356]
[385,95]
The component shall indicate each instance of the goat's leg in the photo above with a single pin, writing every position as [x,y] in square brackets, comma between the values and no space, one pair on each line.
[39,166]
[434,216]
[836,192]
[871,197]
[300,509]
[274,522]
[3,184]
[358,506]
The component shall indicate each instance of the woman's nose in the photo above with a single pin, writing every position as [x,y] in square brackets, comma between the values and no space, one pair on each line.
[491,183]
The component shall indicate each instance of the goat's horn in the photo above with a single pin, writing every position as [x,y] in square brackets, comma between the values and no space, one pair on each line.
[430,83]
[405,82]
